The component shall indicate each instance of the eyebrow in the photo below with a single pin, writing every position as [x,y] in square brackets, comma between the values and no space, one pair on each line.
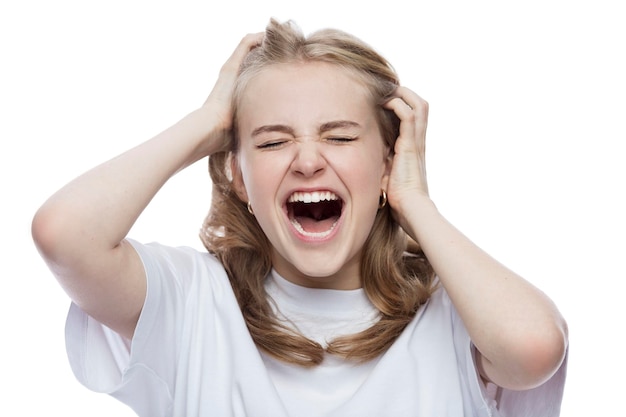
[337,124]
[324,127]
[272,128]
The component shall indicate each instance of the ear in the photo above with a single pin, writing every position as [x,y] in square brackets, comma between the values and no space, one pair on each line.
[384,181]
[238,184]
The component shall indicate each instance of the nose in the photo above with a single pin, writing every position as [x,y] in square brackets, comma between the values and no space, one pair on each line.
[308,160]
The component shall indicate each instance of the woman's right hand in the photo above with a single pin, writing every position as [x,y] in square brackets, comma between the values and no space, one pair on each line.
[219,102]
[81,230]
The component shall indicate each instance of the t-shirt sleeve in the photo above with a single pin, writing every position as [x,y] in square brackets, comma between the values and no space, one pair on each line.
[130,371]
[542,401]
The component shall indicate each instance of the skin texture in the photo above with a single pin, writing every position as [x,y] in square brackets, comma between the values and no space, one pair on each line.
[316,131]
[80,231]
[520,336]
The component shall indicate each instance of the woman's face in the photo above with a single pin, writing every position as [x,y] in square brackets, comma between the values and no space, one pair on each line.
[312,164]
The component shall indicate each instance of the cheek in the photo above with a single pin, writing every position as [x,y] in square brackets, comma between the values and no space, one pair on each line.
[365,168]
[261,175]
[248,174]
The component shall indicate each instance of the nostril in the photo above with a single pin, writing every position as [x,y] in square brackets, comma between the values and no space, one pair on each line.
[309,165]
[308,159]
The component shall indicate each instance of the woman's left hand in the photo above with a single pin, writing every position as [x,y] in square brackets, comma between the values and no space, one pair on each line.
[407,184]
[520,336]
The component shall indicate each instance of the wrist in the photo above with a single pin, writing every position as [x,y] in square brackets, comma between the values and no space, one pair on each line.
[419,213]
[209,131]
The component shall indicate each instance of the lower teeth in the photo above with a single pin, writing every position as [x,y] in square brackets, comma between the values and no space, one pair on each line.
[318,235]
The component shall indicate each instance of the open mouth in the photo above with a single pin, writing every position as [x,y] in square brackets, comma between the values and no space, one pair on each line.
[314,214]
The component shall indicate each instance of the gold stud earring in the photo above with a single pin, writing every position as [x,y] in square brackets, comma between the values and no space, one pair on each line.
[382,201]
[250,208]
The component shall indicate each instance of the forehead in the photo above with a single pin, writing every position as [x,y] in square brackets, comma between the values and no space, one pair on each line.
[304,93]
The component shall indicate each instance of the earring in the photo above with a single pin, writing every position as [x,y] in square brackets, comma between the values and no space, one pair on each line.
[382,201]
[250,208]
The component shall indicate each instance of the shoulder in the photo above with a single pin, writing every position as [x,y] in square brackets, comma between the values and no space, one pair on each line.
[439,303]
[175,255]
[182,265]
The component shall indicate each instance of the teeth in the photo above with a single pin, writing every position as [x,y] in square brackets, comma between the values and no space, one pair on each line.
[312,197]
[317,235]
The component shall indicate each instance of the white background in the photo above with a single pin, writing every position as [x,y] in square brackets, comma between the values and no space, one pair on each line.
[525,149]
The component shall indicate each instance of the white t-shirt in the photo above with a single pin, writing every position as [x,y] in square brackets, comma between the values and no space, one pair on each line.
[192,355]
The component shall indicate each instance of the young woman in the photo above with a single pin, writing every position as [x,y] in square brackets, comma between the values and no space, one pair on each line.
[331,286]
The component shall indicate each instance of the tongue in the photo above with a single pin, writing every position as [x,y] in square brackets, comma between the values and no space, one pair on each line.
[311,225]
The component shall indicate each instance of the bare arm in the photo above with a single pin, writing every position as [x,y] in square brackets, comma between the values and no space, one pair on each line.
[519,333]
[80,231]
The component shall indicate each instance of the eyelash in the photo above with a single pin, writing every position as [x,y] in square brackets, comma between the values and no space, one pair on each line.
[341,139]
[336,139]
[271,145]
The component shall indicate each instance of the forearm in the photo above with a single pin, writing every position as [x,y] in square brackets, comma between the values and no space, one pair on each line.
[80,230]
[515,327]
[97,209]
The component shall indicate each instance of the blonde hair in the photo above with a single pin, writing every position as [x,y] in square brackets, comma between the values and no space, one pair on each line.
[395,274]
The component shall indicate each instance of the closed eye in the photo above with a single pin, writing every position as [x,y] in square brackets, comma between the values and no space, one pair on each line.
[271,145]
[341,139]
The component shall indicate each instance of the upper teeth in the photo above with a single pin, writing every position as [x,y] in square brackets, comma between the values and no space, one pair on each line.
[313,197]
